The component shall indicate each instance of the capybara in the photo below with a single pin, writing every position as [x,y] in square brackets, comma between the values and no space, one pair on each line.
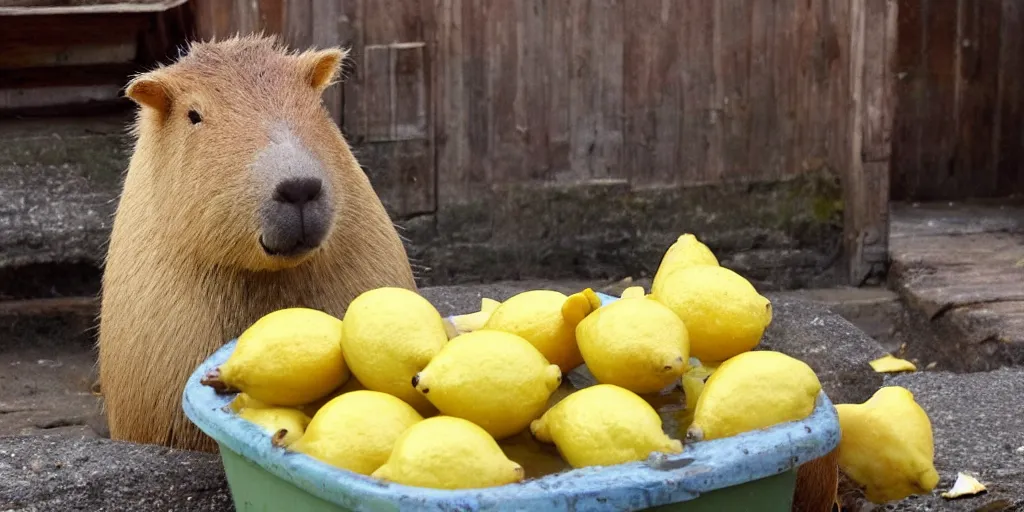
[241,197]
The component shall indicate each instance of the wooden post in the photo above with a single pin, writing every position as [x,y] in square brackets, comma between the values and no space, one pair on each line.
[866,183]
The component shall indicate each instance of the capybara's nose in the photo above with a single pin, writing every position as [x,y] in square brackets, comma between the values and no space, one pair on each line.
[297,217]
[298,191]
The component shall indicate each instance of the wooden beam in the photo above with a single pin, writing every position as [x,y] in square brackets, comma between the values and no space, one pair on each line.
[92,74]
[866,183]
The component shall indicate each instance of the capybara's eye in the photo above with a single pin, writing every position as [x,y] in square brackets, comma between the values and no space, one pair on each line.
[194,117]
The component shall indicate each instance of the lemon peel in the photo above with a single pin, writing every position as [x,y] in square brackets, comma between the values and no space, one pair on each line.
[890,364]
[965,485]
[474,321]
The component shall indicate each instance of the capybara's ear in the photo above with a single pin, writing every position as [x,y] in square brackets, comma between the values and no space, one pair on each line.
[323,66]
[148,90]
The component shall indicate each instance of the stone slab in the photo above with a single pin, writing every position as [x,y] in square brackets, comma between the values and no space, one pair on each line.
[960,267]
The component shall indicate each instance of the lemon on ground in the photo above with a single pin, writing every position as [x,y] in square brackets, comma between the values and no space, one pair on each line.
[284,424]
[635,343]
[389,334]
[723,313]
[357,431]
[445,452]
[547,319]
[751,391]
[603,425]
[886,445]
[686,251]
[289,357]
[492,378]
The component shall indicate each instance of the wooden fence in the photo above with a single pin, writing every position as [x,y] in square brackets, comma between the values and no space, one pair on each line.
[448,98]
[454,96]
[960,115]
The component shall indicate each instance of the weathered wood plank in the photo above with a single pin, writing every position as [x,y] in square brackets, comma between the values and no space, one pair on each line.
[732,102]
[387,101]
[866,182]
[974,166]
[1009,145]
[653,96]
[698,157]
[595,89]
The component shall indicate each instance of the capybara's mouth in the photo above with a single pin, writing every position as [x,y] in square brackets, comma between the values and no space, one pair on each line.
[299,249]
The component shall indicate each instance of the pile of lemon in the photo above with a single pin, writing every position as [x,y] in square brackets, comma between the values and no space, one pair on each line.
[397,392]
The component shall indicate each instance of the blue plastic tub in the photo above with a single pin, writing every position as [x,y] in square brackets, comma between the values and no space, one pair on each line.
[751,471]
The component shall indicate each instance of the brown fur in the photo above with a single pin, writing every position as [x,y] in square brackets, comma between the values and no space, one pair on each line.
[817,484]
[185,271]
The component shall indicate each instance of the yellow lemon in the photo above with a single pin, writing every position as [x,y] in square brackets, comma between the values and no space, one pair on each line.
[723,313]
[389,334]
[603,425]
[547,319]
[492,378]
[357,431]
[284,424]
[635,343]
[289,357]
[686,251]
[886,445]
[445,452]
[751,391]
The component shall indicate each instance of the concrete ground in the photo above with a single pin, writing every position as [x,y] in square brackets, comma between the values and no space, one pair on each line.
[53,454]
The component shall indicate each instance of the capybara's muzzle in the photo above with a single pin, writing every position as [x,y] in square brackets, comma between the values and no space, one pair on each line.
[297,218]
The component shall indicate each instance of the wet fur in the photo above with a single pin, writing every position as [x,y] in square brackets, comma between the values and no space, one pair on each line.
[184,270]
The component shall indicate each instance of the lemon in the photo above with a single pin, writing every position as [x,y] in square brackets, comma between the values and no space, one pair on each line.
[492,378]
[289,357]
[284,424]
[686,251]
[603,425]
[723,313]
[886,445]
[751,391]
[634,343]
[547,319]
[389,334]
[445,452]
[357,431]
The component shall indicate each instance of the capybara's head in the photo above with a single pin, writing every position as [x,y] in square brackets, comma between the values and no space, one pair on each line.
[238,155]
